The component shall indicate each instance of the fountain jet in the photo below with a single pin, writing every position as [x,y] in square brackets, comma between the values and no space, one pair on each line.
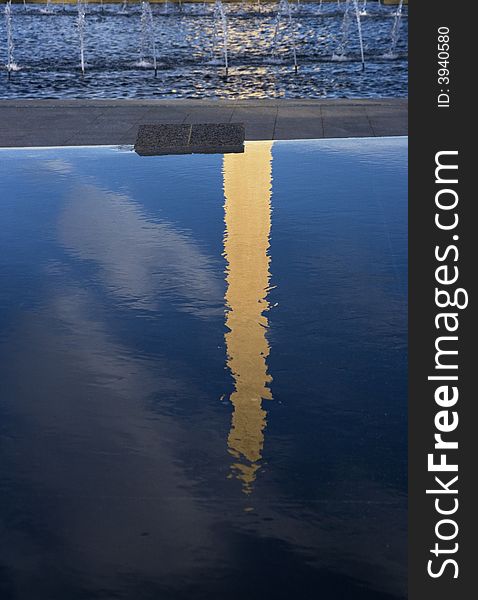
[359,29]
[340,53]
[81,33]
[395,33]
[284,14]
[221,19]
[11,65]
[147,31]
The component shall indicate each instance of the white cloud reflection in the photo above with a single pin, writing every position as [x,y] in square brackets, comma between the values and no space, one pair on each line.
[141,261]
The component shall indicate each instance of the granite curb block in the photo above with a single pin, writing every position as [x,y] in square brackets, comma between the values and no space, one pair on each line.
[201,138]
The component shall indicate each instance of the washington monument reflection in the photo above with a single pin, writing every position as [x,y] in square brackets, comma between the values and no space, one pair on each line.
[247,190]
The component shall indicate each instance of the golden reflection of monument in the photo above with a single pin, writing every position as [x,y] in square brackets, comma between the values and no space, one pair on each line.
[247,190]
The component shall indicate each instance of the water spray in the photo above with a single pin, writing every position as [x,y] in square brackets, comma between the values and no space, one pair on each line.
[359,29]
[285,11]
[11,66]
[395,33]
[81,34]
[220,16]
[147,30]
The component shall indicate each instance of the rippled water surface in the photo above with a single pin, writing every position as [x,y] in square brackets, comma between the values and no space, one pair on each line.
[119,57]
[203,366]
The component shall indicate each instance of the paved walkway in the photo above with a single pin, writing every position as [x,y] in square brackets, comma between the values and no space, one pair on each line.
[95,122]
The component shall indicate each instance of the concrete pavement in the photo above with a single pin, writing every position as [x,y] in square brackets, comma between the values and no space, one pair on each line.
[102,122]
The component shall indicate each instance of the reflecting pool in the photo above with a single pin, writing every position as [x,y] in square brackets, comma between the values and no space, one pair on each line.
[204,372]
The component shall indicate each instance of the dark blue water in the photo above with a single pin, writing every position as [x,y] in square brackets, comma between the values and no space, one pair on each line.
[119,57]
[203,367]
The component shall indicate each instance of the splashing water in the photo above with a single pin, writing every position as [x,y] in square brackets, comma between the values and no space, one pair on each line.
[11,64]
[314,43]
[399,10]
[341,53]
[284,14]
[220,19]
[395,33]
[48,10]
[81,33]
[363,10]
[281,11]
[359,29]
[147,32]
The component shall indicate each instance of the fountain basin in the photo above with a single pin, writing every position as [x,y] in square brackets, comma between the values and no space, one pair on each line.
[190,65]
